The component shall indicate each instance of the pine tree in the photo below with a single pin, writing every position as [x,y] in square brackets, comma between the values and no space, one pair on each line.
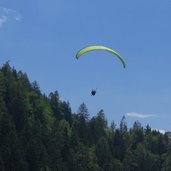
[123,125]
[83,113]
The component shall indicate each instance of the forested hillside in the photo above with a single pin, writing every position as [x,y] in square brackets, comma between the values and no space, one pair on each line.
[41,133]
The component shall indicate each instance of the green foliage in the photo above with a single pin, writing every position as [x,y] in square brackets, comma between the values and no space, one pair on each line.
[40,133]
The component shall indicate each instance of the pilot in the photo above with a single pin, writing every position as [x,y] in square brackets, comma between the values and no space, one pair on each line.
[93,92]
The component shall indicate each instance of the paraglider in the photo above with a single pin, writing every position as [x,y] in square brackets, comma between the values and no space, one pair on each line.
[92,48]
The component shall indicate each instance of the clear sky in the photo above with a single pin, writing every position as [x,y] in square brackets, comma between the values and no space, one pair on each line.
[41,38]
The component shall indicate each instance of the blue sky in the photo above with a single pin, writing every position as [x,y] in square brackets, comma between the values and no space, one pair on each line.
[41,38]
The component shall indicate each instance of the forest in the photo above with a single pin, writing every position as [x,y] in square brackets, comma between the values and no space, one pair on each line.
[40,132]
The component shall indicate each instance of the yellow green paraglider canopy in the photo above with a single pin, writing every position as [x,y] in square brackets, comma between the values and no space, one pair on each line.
[92,48]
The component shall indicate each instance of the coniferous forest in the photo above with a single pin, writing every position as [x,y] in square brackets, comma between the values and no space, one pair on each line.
[41,133]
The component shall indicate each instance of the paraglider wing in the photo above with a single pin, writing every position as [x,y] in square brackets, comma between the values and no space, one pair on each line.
[92,48]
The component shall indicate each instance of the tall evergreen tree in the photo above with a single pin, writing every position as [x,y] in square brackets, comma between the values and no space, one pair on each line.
[83,113]
[123,125]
